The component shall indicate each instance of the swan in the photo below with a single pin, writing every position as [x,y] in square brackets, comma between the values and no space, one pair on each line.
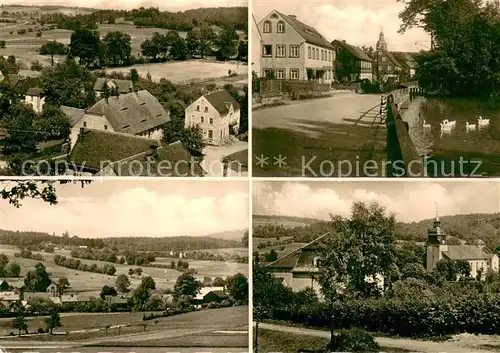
[482,122]
[426,124]
[445,128]
[470,126]
[449,123]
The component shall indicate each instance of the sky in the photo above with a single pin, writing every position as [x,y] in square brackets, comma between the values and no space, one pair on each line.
[135,208]
[165,5]
[358,22]
[408,200]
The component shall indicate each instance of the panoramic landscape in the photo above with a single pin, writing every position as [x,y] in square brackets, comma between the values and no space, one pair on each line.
[124,91]
[96,265]
[375,89]
[376,266]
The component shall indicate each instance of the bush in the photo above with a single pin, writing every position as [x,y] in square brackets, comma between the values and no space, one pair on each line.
[354,340]
[40,330]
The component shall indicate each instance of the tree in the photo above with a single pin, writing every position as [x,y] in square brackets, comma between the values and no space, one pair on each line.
[413,270]
[131,271]
[243,51]
[36,66]
[272,256]
[86,45]
[53,48]
[190,137]
[138,271]
[117,49]
[108,290]
[143,292]
[244,240]
[226,43]
[53,321]
[19,323]
[53,123]
[148,283]
[62,285]
[206,40]
[134,77]
[186,285]
[105,93]
[14,270]
[237,286]
[122,283]
[37,280]
[219,282]
[193,43]
[178,49]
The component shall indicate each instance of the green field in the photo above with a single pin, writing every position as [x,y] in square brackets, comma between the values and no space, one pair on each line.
[285,221]
[228,251]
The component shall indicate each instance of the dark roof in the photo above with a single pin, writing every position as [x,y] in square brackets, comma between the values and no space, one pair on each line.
[355,51]
[96,146]
[124,86]
[220,101]
[405,58]
[466,252]
[239,158]
[14,79]
[218,293]
[34,91]
[291,260]
[132,113]
[392,58]
[310,34]
[173,160]
[74,114]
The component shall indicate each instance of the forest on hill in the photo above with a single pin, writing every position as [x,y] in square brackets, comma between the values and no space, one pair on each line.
[25,239]
[468,227]
[224,17]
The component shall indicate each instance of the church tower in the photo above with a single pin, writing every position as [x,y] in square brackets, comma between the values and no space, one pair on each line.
[436,243]
[381,44]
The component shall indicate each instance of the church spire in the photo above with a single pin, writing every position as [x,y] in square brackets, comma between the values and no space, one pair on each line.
[437,211]
[381,44]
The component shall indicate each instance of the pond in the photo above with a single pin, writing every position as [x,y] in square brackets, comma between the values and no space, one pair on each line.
[458,151]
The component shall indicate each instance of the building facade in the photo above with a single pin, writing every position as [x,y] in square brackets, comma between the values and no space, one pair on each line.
[438,249]
[217,114]
[385,65]
[35,97]
[292,50]
[352,64]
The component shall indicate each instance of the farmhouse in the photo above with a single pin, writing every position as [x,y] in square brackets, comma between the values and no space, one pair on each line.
[53,289]
[299,269]
[36,98]
[438,249]
[352,63]
[217,114]
[209,294]
[292,50]
[106,153]
[137,113]
[121,86]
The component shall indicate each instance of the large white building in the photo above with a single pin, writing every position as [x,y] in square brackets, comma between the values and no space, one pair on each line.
[292,50]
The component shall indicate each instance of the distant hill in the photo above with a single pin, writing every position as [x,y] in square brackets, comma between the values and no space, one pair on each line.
[236,234]
[285,221]
[468,227]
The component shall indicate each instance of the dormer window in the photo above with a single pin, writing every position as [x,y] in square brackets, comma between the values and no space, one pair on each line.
[280,27]
[267,27]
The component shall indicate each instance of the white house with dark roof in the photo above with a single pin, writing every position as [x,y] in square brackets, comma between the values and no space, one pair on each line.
[217,114]
[438,249]
[293,50]
[36,98]
[122,86]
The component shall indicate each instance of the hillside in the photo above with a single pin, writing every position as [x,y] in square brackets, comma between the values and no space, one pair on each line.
[468,227]
[235,235]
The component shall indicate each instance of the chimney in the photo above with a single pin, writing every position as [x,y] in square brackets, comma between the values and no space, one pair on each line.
[82,130]
[293,16]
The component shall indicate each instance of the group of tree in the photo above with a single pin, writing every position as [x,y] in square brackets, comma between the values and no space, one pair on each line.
[463,61]
[52,322]
[210,256]
[28,254]
[114,256]
[75,264]
[8,269]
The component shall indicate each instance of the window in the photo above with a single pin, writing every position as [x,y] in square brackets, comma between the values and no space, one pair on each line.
[389,68]
[206,109]
[202,120]
[294,51]
[309,52]
[204,132]
[268,73]
[322,54]
[294,74]
[105,127]
[317,53]
[210,134]
[221,136]
[280,51]
[84,124]
[268,50]
[267,27]
[384,58]
[281,27]
[211,120]
[274,16]
[280,74]
[197,108]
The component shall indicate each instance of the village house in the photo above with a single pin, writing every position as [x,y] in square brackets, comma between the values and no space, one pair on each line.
[292,50]
[408,63]
[479,260]
[385,64]
[236,164]
[53,289]
[217,114]
[352,63]
[36,98]
[299,269]
[4,285]
[106,153]
[121,86]
[208,295]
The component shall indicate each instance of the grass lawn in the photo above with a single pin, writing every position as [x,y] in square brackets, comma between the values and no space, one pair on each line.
[200,340]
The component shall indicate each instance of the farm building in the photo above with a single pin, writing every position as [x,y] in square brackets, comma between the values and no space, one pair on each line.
[122,86]
[208,295]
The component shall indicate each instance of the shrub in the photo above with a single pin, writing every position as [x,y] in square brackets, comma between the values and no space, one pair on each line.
[40,330]
[354,340]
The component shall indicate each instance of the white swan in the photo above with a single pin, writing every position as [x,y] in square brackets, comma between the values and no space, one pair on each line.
[470,126]
[445,128]
[446,122]
[426,124]
[483,122]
